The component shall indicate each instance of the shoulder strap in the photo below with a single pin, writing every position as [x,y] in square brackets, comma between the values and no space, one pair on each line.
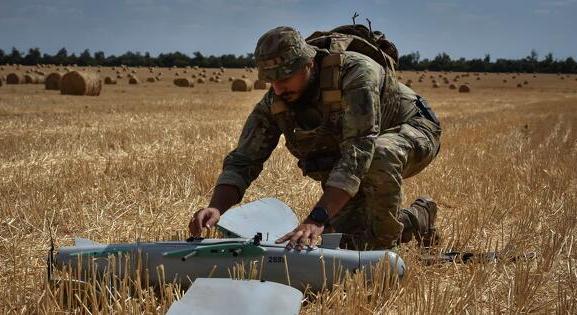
[330,83]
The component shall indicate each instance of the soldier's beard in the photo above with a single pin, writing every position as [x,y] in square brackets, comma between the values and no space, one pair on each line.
[293,97]
[289,97]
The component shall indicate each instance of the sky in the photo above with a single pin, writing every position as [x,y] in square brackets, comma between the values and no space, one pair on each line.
[469,29]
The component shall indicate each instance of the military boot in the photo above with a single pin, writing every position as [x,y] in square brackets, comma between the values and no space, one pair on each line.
[419,222]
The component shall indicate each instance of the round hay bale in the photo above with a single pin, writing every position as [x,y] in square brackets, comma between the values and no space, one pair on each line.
[15,78]
[157,78]
[183,82]
[230,79]
[436,85]
[133,80]
[464,89]
[504,80]
[243,76]
[200,80]
[52,81]
[120,76]
[81,83]
[212,79]
[150,79]
[109,80]
[242,85]
[519,85]
[33,79]
[260,85]
[525,82]
[452,87]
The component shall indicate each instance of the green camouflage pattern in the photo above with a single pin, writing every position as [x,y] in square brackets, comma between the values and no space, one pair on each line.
[381,136]
[280,52]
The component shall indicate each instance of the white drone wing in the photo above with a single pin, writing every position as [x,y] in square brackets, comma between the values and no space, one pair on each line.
[84,242]
[268,215]
[226,296]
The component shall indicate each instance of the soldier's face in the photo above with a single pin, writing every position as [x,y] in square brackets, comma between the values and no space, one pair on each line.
[291,88]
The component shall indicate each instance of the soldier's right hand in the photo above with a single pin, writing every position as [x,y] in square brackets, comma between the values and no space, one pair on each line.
[203,219]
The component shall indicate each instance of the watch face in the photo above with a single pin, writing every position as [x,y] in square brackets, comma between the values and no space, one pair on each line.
[319,215]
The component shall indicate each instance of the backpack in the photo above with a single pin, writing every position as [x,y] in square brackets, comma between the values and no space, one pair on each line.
[358,38]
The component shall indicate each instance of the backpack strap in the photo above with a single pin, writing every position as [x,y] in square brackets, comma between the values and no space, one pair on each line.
[330,84]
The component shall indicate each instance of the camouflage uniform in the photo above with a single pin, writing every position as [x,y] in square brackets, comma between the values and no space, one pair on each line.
[378,138]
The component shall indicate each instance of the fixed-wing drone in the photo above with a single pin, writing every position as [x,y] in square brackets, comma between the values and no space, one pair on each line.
[251,230]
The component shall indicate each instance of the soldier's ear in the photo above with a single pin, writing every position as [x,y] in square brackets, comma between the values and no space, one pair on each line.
[311,64]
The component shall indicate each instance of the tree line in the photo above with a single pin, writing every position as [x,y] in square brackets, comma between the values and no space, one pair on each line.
[412,61]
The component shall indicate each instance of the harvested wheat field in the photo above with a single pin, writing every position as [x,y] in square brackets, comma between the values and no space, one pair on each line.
[134,162]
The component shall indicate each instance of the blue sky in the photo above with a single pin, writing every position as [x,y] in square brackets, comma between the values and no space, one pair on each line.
[470,29]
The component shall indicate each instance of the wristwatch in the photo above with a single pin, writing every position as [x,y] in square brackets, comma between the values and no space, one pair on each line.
[319,215]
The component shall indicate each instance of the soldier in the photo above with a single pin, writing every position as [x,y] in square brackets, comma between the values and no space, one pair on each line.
[352,126]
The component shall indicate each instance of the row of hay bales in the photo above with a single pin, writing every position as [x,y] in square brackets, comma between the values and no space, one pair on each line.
[28,78]
[238,85]
[72,83]
[244,84]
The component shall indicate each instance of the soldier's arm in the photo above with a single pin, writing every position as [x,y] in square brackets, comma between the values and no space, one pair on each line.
[360,127]
[259,137]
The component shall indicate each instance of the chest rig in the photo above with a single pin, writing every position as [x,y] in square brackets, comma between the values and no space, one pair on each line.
[319,145]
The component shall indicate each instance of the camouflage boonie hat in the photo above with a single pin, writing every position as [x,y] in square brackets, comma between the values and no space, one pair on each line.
[280,52]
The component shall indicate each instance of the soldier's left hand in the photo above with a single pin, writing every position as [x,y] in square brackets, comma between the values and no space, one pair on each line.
[306,234]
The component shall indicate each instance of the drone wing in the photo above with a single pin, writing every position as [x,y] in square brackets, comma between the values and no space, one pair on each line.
[211,296]
[268,215]
[84,242]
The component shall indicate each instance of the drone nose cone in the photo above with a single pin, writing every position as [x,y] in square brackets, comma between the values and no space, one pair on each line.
[393,261]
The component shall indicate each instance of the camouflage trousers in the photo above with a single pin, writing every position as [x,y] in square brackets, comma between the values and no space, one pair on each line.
[373,216]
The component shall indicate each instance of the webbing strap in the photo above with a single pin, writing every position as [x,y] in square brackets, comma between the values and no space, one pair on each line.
[330,84]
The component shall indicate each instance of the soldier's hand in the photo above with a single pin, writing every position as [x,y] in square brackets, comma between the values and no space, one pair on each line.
[203,219]
[306,234]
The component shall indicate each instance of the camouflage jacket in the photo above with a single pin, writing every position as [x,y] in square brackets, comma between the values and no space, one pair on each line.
[373,102]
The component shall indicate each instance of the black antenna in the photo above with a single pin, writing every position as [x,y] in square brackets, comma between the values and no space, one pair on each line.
[370,28]
[356,15]
[50,260]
